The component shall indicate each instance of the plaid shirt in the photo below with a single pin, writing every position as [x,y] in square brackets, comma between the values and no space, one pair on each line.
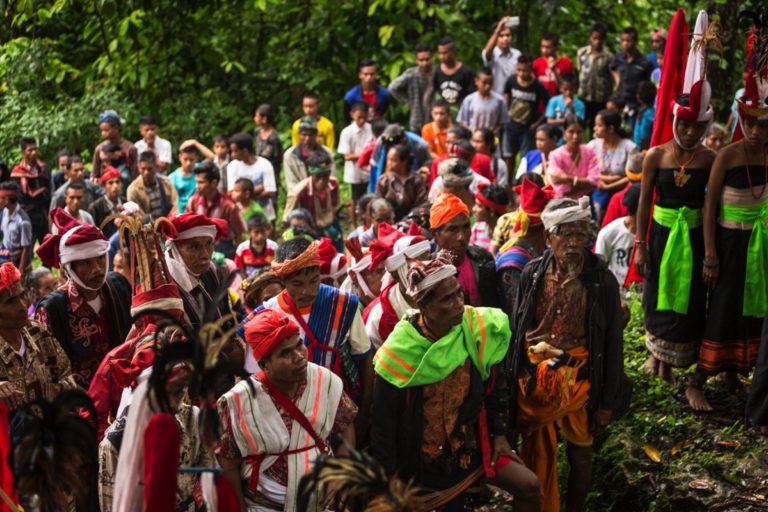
[415,90]
[220,208]
[43,371]
[595,79]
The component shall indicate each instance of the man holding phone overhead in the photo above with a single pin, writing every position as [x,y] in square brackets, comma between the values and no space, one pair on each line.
[498,53]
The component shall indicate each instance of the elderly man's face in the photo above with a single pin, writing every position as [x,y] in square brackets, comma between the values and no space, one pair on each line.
[196,253]
[454,236]
[91,271]
[568,245]
[443,308]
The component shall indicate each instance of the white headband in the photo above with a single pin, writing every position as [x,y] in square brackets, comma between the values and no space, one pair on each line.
[70,253]
[576,213]
[360,266]
[403,251]
[337,269]
[430,281]
[195,232]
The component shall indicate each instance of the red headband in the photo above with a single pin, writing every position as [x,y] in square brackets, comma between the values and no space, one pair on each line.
[9,276]
[497,207]
[266,330]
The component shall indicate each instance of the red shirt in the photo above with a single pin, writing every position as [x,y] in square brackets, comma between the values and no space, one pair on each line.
[547,77]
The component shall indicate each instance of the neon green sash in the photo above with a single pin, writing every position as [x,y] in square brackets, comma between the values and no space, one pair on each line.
[755,287]
[676,269]
[409,359]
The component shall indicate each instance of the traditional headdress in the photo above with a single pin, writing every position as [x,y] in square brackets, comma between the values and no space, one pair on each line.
[253,286]
[361,262]
[753,104]
[579,212]
[333,264]
[109,173]
[309,258]
[266,330]
[180,228]
[75,241]
[422,279]
[9,276]
[444,208]
[486,201]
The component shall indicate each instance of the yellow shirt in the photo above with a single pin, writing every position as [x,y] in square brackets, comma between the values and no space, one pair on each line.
[325,135]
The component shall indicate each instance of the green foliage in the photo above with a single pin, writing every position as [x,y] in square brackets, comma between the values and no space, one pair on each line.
[202,66]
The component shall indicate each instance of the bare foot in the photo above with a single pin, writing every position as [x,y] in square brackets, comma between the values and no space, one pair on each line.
[696,399]
[731,381]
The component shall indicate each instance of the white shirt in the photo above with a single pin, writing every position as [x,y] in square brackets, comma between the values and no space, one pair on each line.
[162,149]
[260,172]
[437,185]
[352,141]
[503,66]
[614,243]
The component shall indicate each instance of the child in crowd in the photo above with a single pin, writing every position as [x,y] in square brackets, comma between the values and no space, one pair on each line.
[483,108]
[524,96]
[16,228]
[535,161]
[254,256]
[352,141]
[267,141]
[646,98]
[242,195]
[58,177]
[435,133]
[310,105]
[614,241]
[716,137]
[112,154]
[183,178]
[566,103]
[40,282]
[221,158]
[616,102]
[377,128]
[362,213]
[151,142]
[300,223]
[490,204]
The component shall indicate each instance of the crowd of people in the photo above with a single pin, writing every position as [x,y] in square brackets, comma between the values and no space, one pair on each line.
[184,329]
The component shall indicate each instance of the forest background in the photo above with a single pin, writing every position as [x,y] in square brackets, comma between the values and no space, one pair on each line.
[201,66]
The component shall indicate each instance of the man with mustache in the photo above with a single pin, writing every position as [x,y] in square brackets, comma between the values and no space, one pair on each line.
[567,356]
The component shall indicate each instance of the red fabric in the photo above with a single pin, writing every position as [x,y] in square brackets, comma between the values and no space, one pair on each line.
[444,208]
[327,252]
[389,317]
[480,163]
[533,199]
[191,220]
[6,475]
[547,78]
[109,173]
[672,77]
[266,330]
[616,208]
[49,249]
[226,497]
[497,207]
[751,96]
[9,276]
[691,112]
[383,246]
[162,455]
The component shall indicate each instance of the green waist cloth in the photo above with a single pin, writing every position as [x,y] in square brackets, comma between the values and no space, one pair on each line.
[676,269]
[409,359]
[755,286]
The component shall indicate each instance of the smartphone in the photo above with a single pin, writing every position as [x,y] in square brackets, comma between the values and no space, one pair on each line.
[513,21]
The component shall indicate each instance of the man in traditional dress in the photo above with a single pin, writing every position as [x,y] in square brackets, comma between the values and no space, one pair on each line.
[189,246]
[566,362]
[90,314]
[398,251]
[329,321]
[33,365]
[526,244]
[298,405]
[441,401]
[449,221]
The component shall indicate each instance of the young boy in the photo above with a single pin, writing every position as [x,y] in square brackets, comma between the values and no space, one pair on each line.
[435,133]
[368,91]
[646,98]
[614,241]
[255,254]
[183,178]
[110,203]
[353,140]
[310,105]
[242,195]
[566,103]
[111,154]
[483,108]
[16,227]
[524,95]
[151,142]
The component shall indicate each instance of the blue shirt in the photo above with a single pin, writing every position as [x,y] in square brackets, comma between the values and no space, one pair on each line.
[184,185]
[556,108]
[644,127]
[17,233]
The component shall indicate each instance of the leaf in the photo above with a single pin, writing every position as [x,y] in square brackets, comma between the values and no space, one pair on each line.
[652,452]
[729,444]
[385,33]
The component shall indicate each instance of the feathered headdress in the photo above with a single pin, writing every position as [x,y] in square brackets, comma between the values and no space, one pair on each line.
[753,104]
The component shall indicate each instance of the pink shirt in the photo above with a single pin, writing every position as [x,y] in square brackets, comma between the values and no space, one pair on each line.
[560,161]
[468,281]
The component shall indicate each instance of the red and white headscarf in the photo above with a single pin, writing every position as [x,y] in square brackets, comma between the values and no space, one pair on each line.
[9,276]
[182,228]
[333,264]
[75,241]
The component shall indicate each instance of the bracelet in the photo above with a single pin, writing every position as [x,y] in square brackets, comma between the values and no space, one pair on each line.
[711,264]
[575,181]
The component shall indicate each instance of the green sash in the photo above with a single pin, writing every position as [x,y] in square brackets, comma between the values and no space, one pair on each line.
[755,288]
[676,269]
[409,359]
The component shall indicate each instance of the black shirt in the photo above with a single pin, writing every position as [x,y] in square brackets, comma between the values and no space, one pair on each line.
[454,88]
[632,73]
[525,103]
